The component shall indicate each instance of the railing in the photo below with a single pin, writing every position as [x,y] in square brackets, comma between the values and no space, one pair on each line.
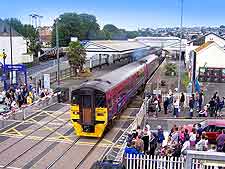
[116,151]
[153,162]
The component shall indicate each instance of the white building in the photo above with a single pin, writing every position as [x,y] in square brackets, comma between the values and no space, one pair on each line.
[108,51]
[19,46]
[170,44]
[192,45]
[206,58]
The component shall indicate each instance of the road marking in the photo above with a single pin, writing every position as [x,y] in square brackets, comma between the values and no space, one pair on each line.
[14,132]
[56,132]
[54,116]
[2,166]
[108,141]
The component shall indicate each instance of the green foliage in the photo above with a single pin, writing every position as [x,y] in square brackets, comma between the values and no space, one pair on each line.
[76,55]
[185,79]
[83,26]
[170,69]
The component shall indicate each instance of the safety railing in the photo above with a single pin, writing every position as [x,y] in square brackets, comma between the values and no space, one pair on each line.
[116,151]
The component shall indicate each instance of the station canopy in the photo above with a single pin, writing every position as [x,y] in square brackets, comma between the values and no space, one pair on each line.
[114,46]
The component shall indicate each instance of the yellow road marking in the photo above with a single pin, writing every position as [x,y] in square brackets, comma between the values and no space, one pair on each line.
[50,129]
[54,116]
[108,141]
[21,123]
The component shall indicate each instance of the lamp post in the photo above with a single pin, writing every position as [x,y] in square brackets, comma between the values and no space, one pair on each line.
[4,70]
[11,50]
[181,33]
[57,46]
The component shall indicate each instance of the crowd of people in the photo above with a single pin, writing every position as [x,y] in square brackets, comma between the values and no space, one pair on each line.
[176,144]
[15,98]
[174,104]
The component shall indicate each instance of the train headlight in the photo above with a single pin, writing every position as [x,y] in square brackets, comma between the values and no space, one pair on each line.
[75,113]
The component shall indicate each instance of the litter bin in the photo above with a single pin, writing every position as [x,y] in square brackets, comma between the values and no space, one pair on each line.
[62,94]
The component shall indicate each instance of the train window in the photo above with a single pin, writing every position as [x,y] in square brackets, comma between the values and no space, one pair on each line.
[100,101]
[86,101]
[75,99]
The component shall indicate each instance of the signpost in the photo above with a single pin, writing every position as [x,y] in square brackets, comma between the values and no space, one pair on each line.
[47,81]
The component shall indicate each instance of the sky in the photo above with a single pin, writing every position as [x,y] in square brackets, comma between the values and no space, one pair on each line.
[127,14]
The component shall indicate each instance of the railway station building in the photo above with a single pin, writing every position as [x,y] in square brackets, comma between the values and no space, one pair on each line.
[206,58]
[170,44]
[102,52]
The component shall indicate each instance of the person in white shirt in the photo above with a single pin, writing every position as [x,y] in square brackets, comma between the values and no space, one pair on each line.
[193,137]
[176,108]
[186,146]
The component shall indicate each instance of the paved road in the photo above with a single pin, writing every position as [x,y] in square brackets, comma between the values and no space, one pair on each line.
[46,66]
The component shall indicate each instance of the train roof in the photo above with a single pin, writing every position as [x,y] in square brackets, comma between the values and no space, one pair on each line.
[111,79]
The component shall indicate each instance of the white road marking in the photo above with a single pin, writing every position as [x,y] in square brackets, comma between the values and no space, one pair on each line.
[1,166]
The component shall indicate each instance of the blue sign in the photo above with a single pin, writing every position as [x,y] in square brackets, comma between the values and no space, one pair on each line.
[16,67]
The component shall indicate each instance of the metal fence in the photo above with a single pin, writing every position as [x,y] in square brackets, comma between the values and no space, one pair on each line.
[153,162]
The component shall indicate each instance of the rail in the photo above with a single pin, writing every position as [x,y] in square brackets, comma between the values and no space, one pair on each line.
[62,154]
[88,153]
[26,136]
[40,141]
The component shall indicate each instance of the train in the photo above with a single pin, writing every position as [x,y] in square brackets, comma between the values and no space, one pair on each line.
[96,103]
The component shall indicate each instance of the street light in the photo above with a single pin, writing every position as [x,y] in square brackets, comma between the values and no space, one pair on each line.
[4,69]
[181,33]
[57,46]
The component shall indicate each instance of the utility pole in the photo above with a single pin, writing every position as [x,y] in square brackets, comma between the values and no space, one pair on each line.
[11,50]
[181,33]
[57,46]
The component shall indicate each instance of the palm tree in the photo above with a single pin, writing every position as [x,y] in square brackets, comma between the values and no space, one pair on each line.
[76,56]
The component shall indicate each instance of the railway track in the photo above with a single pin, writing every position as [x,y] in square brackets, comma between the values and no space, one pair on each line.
[62,154]
[26,136]
[40,141]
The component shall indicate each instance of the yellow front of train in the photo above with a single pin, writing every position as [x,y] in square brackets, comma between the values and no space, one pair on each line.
[89,114]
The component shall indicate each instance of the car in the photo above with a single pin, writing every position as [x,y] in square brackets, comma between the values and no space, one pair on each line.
[211,127]
[4,109]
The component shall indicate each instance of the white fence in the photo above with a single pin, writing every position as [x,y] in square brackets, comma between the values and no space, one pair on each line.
[153,162]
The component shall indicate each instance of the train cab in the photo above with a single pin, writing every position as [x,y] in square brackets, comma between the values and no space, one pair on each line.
[89,112]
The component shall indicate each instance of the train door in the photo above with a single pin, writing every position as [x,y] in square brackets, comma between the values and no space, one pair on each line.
[86,101]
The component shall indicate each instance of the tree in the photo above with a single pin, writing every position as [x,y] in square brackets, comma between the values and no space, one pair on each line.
[110,28]
[69,25]
[76,56]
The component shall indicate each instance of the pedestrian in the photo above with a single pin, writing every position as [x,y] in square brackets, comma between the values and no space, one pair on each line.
[176,108]
[160,136]
[139,144]
[212,106]
[200,100]
[186,146]
[182,100]
[165,105]
[220,140]
[145,139]
[193,137]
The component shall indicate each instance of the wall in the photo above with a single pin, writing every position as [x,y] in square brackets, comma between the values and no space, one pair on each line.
[214,56]
[19,47]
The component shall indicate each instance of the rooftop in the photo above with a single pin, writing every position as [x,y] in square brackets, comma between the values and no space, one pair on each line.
[205,45]
[114,45]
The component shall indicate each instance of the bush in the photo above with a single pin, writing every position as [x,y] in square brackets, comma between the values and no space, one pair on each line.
[171,69]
